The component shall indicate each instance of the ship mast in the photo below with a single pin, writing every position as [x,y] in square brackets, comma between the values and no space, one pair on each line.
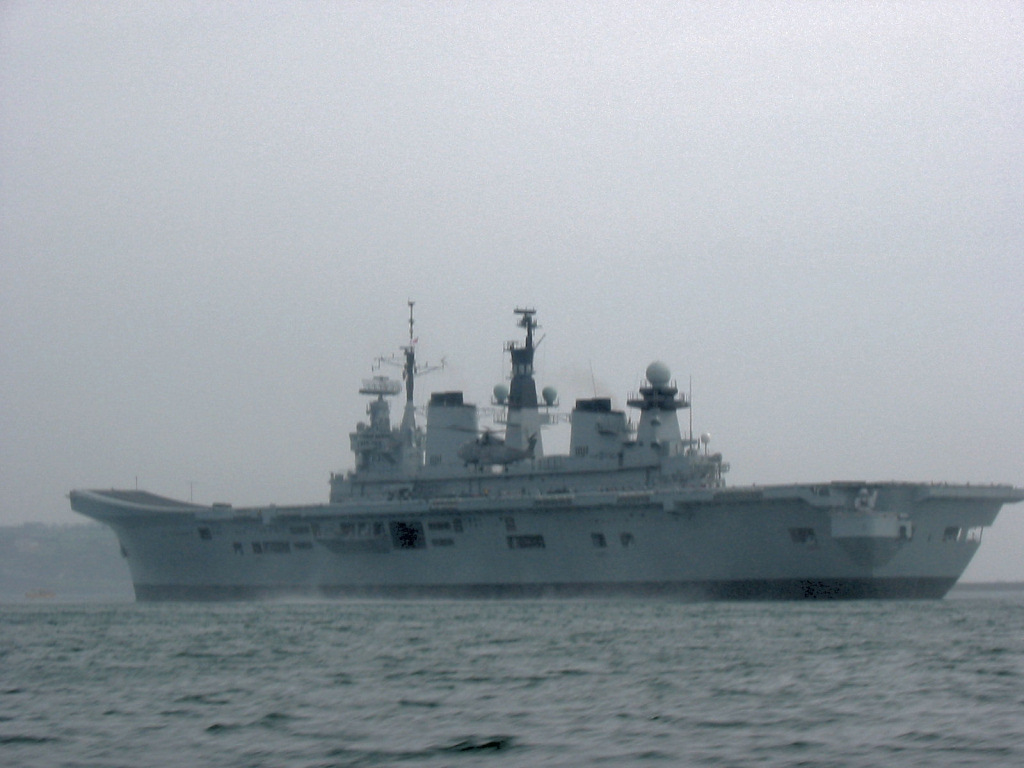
[409,374]
[522,428]
[380,446]
[658,403]
[410,370]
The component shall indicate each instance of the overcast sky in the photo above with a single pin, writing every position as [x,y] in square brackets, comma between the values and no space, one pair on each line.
[212,215]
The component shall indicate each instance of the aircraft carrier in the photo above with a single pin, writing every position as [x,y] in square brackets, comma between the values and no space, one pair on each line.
[635,508]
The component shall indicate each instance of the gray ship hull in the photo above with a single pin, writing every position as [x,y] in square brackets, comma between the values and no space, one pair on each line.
[755,543]
[785,589]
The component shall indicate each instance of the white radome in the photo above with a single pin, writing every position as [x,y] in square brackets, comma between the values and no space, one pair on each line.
[658,373]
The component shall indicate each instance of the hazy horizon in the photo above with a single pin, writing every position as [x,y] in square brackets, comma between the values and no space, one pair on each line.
[212,216]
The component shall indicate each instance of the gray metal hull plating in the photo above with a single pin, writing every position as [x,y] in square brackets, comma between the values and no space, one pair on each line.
[773,542]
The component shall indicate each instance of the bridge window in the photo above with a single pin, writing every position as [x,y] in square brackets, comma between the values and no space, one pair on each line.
[598,540]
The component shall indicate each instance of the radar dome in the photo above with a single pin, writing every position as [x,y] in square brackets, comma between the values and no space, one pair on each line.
[705,438]
[500,393]
[658,374]
[550,395]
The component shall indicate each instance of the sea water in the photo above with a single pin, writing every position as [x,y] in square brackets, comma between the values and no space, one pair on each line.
[514,683]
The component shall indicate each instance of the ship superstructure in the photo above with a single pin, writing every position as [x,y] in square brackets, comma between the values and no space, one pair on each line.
[454,509]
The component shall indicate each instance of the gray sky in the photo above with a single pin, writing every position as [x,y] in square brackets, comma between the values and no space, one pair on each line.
[212,215]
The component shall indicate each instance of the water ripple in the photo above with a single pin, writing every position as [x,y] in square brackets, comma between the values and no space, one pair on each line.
[617,683]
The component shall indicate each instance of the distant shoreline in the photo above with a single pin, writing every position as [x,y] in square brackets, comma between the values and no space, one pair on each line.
[989,586]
